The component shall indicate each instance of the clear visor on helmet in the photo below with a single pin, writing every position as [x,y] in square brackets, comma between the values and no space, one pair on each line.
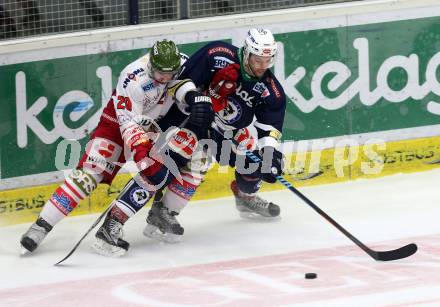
[269,51]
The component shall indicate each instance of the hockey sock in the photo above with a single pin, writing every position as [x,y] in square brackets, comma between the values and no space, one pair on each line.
[66,197]
[132,198]
[247,184]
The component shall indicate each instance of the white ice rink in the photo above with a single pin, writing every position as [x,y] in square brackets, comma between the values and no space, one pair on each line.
[227,261]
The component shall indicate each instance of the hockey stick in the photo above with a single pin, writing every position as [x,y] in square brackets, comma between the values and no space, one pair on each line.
[86,234]
[307,177]
[437,161]
[402,252]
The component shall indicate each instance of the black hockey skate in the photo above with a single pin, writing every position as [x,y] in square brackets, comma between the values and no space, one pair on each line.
[35,234]
[252,206]
[109,240]
[162,224]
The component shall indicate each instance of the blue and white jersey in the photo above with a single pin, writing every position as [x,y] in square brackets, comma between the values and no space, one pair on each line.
[263,99]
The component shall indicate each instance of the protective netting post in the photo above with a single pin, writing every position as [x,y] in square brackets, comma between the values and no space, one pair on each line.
[133,9]
[183,10]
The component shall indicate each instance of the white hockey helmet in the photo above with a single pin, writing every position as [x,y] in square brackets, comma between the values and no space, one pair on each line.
[260,42]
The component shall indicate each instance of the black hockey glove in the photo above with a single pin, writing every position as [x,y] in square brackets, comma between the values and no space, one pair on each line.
[200,109]
[272,165]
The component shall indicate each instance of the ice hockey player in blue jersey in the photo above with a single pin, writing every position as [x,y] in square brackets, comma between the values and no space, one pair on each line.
[245,94]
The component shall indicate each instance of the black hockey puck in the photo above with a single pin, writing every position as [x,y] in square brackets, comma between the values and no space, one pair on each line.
[310,275]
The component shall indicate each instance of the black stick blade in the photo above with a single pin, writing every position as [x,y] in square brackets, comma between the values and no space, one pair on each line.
[400,253]
[309,176]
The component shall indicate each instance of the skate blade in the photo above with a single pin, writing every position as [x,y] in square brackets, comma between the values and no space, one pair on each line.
[103,248]
[258,217]
[154,233]
[24,251]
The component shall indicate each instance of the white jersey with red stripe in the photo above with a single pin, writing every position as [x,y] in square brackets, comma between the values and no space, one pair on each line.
[138,100]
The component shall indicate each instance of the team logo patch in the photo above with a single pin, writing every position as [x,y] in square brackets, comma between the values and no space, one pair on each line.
[139,196]
[265,94]
[232,112]
[259,87]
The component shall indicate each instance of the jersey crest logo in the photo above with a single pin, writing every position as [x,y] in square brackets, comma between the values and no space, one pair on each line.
[231,113]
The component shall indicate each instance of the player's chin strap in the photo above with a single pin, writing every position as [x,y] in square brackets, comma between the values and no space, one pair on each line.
[390,255]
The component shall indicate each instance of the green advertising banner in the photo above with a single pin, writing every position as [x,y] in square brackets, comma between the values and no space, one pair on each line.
[362,79]
[45,102]
[340,81]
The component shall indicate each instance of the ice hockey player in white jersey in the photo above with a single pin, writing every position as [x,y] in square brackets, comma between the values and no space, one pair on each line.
[146,90]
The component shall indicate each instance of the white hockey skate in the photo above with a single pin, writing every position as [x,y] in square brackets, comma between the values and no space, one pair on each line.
[35,234]
[252,206]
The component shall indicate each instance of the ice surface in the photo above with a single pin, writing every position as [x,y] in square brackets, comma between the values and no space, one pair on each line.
[224,260]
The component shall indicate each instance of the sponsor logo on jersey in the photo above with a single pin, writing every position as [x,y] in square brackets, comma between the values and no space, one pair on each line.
[274,87]
[149,101]
[148,86]
[222,50]
[132,76]
[221,62]
[99,161]
[244,95]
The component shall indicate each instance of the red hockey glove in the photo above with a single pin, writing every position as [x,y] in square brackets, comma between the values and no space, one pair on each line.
[148,163]
[245,141]
[222,85]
